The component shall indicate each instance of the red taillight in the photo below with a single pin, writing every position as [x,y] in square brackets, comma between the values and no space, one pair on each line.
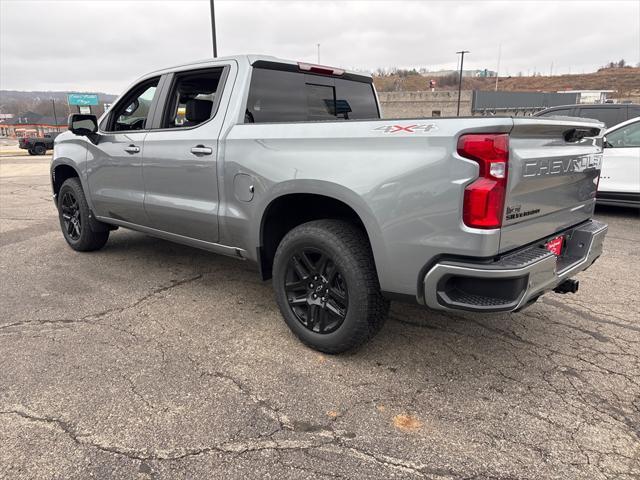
[484,198]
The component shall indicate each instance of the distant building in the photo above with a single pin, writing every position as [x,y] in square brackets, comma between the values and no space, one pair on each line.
[472,103]
[30,124]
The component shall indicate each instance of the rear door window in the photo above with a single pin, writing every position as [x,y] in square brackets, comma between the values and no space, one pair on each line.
[283,96]
[193,98]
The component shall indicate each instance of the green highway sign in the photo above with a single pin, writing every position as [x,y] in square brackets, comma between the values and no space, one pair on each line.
[82,99]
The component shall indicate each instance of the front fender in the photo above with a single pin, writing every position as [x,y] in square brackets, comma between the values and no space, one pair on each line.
[71,150]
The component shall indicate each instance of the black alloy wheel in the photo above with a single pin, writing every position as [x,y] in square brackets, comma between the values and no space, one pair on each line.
[81,232]
[317,291]
[326,285]
[71,215]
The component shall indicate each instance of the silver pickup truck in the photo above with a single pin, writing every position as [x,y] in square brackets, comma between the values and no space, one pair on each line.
[289,165]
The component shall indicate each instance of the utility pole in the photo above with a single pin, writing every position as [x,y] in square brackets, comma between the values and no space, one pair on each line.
[55,117]
[461,53]
[498,67]
[318,45]
[213,30]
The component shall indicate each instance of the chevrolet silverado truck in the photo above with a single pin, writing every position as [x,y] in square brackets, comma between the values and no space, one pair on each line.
[290,166]
[37,145]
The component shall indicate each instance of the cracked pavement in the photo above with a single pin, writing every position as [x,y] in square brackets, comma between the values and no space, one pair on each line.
[150,360]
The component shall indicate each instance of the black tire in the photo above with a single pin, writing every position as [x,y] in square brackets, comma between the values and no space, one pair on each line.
[73,212]
[349,308]
[40,149]
[32,151]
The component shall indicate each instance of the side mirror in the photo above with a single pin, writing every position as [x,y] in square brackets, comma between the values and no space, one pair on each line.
[84,125]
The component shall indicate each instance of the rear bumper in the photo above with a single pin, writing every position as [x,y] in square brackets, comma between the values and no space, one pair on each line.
[515,280]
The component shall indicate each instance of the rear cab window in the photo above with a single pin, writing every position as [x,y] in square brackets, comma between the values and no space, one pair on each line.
[291,96]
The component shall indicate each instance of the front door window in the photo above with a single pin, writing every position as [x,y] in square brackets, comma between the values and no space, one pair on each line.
[132,113]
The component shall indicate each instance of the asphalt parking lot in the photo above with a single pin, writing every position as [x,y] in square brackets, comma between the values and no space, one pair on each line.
[149,360]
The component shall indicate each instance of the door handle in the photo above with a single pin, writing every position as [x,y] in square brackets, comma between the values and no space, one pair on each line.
[132,149]
[201,150]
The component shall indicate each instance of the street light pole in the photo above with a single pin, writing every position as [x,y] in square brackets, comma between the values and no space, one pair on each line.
[55,117]
[213,30]
[462,52]
[318,52]
[498,67]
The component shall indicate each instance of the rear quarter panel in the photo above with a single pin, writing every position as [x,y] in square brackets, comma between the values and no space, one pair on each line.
[406,186]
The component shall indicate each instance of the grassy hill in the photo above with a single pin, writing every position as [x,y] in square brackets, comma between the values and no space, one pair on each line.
[625,80]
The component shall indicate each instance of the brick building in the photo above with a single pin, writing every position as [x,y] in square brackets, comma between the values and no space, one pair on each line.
[31,124]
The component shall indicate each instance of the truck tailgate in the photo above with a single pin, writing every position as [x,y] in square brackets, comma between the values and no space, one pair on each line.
[554,167]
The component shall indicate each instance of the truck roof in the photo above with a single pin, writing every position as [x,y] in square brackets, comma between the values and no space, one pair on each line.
[250,58]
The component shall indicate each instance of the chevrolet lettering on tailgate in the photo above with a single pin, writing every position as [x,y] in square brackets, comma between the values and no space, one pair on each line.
[561,166]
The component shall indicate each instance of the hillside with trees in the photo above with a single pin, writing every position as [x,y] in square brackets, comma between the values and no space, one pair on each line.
[19,103]
[624,79]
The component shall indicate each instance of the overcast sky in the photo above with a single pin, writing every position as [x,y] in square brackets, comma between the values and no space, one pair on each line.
[95,45]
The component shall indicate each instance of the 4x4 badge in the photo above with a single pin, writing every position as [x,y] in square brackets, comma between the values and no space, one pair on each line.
[419,128]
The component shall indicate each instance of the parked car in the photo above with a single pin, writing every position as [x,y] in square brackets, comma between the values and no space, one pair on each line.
[620,178]
[608,113]
[289,165]
[37,145]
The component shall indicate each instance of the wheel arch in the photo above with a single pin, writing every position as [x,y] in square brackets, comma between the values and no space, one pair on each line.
[62,171]
[297,202]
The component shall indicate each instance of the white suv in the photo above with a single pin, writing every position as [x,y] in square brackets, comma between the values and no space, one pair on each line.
[620,177]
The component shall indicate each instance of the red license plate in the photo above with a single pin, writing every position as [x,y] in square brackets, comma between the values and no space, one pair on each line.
[555,245]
